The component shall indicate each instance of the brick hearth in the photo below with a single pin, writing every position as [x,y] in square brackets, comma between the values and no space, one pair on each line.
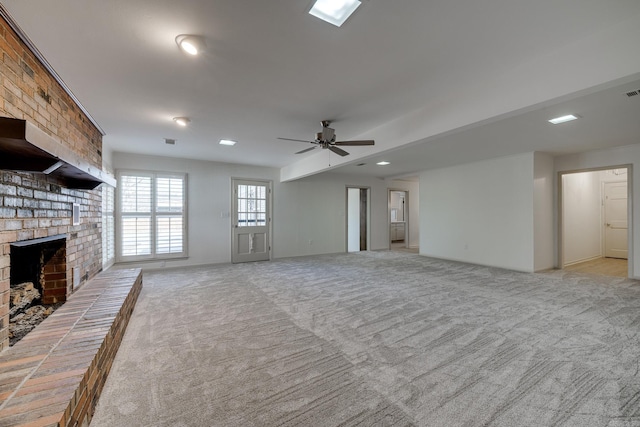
[53,376]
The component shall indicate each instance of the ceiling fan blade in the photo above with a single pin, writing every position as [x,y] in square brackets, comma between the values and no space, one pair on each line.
[354,143]
[338,151]
[305,150]
[298,140]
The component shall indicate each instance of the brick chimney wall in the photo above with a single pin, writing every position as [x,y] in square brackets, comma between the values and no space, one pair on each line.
[33,205]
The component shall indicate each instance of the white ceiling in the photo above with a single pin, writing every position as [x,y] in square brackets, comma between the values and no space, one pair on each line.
[607,118]
[435,82]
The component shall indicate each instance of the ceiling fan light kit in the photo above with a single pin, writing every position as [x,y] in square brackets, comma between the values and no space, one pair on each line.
[327,140]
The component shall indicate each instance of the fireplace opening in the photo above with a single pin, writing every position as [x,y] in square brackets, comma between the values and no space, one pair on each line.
[38,279]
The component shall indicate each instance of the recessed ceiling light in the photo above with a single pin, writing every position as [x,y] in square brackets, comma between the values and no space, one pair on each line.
[191,44]
[182,121]
[334,11]
[383,163]
[563,119]
[227,142]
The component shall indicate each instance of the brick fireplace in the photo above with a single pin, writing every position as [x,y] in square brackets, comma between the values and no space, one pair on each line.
[40,205]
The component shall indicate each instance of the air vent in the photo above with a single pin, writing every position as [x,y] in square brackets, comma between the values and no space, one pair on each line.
[633,93]
[361,164]
[170,141]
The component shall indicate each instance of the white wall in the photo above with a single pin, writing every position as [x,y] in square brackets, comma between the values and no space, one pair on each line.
[310,209]
[581,219]
[314,208]
[480,212]
[543,218]
[107,161]
[628,155]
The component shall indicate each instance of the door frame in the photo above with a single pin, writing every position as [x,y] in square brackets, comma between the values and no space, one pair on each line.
[406,216]
[560,207]
[346,216]
[269,184]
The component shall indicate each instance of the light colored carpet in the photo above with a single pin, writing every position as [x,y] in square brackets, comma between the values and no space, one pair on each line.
[377,339]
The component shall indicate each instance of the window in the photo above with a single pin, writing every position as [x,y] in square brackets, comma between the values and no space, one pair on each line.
[108,225]
[152,220]
[252,205]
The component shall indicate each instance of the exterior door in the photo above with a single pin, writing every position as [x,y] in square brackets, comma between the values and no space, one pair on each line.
[615,220]
[251,221]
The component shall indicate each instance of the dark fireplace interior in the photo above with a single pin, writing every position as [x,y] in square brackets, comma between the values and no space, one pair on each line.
[38,282]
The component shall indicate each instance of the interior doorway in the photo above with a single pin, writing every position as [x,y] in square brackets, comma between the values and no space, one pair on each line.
[595,221]
[398,219]
[358,218]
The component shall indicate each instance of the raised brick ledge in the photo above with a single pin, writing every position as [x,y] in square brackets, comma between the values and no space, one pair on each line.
[54,375]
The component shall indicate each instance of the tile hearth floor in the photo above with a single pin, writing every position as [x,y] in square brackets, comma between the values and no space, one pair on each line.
[605,266]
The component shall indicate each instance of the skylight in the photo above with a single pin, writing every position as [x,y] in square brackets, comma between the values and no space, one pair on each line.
[563,119]
[334,11]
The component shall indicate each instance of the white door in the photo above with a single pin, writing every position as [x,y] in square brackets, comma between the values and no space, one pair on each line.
[615,220]
[251,219]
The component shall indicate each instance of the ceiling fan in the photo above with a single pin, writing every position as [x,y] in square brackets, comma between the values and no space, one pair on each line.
[327,139]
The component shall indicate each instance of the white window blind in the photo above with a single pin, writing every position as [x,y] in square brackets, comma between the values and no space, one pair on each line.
[108,225]
[152,215]
[169,209]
